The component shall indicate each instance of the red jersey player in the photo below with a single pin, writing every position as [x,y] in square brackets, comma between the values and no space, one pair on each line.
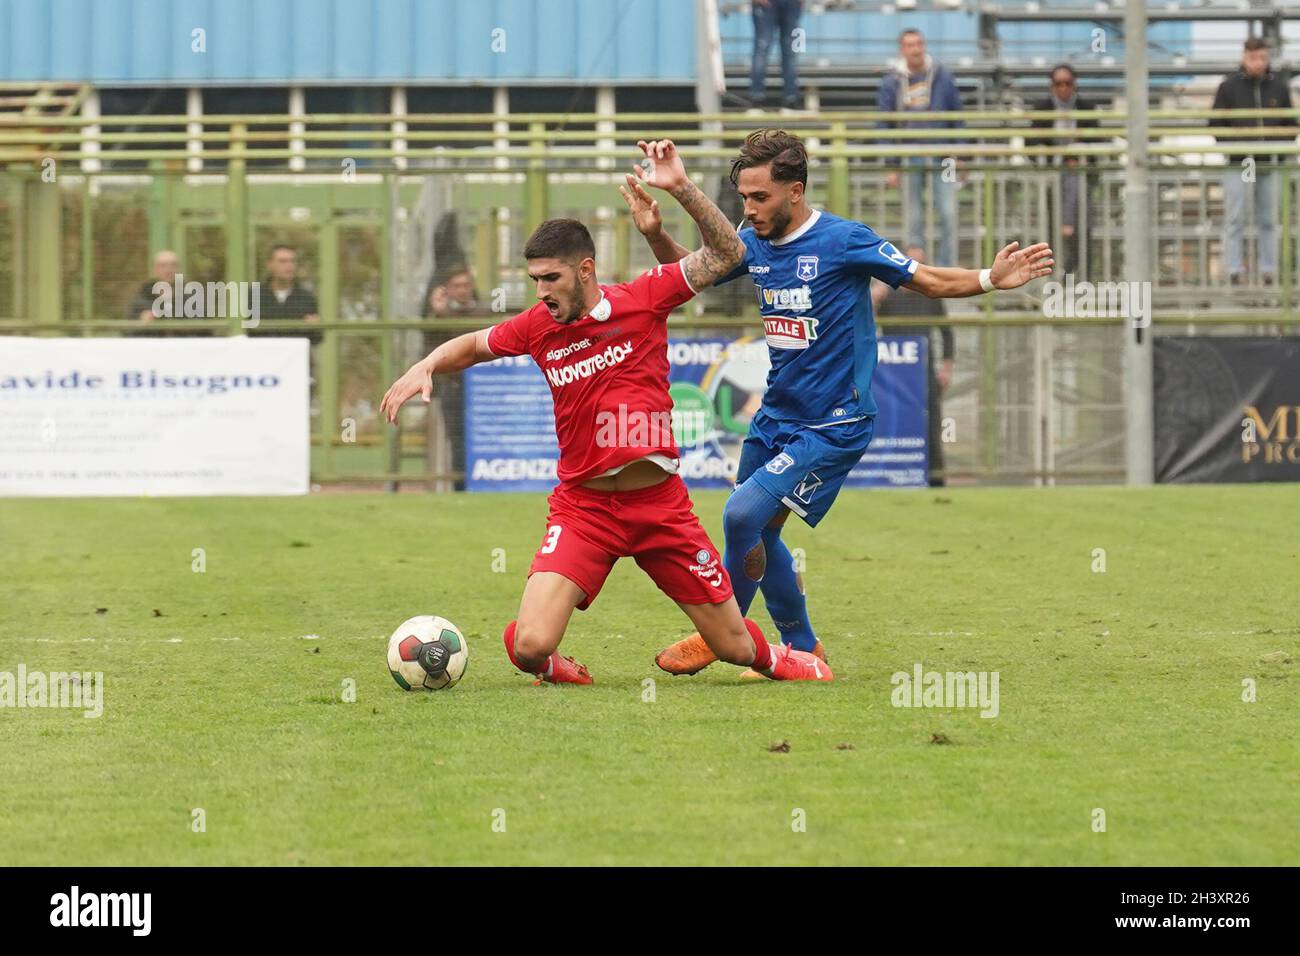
[603,350]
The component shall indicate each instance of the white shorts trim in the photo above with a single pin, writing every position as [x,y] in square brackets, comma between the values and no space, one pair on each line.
[794,507]
[838,421]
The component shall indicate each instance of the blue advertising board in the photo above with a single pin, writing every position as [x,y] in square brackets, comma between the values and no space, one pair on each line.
[716,386]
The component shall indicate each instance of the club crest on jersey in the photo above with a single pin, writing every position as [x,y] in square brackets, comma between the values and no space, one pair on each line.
[707,568]
[780,463]
[806,268]
[788,332]
[790,300]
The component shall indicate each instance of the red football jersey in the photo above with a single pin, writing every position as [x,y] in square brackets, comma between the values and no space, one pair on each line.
[608,371]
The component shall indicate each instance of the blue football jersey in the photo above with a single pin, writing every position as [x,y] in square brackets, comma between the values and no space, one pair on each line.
[813,289]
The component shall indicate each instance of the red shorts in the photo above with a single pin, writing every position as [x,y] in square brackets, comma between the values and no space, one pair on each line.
[587,531]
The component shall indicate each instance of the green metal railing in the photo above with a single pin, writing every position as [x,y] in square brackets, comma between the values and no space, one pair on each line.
[238,172]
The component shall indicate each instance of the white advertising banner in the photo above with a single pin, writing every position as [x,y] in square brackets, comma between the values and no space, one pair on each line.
[180,416]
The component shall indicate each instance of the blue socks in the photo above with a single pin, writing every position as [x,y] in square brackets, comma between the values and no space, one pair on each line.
[746,514]
[745,521]
[785,602]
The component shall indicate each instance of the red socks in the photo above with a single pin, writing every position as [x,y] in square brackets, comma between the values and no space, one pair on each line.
[509,638]
[762,649]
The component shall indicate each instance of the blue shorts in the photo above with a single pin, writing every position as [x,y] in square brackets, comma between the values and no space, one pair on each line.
[802,467]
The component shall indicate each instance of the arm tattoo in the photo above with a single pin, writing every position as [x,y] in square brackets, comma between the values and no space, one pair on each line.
[722,250]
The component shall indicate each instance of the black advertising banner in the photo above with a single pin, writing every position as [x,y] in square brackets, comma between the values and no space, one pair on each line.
[1227,408]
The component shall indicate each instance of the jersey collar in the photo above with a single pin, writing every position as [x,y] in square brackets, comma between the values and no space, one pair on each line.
[601,310]
[807,224]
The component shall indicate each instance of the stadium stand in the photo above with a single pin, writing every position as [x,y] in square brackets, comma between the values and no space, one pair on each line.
[350,137]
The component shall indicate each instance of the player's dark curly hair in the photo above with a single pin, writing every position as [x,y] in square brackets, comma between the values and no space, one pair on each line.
[783,151]
[560,239]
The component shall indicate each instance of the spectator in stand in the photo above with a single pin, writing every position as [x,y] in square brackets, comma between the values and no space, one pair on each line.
[1073,181]
[451,292]
[909,304]
[147,304]
[917,85]
[283,297]
[1254,86]
[775,17]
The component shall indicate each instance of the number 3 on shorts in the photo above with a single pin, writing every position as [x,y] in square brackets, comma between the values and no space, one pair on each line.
[552,539]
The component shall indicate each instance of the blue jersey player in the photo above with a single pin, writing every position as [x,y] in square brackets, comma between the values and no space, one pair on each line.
[812,271]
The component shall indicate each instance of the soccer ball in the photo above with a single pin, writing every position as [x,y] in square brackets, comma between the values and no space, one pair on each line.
[427,653]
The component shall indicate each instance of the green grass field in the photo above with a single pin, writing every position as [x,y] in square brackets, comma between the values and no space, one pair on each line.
[1119,690]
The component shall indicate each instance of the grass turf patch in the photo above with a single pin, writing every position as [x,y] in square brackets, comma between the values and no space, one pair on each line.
[1120,691]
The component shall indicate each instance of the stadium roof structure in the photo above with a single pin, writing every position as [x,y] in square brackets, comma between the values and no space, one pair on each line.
[187,43]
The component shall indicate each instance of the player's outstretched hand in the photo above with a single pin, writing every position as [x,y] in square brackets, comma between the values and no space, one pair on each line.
[662,166]
[645,208]
[416,381]
[1013,266]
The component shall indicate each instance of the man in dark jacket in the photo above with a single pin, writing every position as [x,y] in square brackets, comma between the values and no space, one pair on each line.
[450,293]
[283,297]
[1073,186]
[153,299]
[1254,86]
[917,85]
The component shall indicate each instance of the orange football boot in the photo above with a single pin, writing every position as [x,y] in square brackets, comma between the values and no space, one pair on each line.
[688,656]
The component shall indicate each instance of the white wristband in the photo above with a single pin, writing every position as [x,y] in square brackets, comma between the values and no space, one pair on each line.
[986,281]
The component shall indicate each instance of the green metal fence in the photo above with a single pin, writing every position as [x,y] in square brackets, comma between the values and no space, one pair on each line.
[85,203]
